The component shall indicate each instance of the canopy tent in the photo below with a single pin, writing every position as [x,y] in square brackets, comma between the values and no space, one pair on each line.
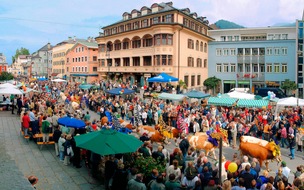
[10,91]
[173,97]
[290,101]
[216,101]
[241,95]
[7,85]
[58,80]
[252,103]
[85,86]
[120,91]
[163,77]
[42,79]
[196,94]
[106,142]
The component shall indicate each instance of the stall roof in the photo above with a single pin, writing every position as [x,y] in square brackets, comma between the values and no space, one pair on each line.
[252,103]
[216,101]
[174,97]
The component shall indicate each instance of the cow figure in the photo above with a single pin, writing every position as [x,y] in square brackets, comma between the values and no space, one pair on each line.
[259,149]
[200,142]
[153,134]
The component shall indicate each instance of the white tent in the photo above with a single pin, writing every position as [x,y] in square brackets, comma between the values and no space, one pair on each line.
[290,101]
[58,80]
[241,95]
[8,85]
[10,91]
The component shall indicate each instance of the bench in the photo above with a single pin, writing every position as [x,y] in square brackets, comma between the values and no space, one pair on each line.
[40,135]
[45,143]
[26,137]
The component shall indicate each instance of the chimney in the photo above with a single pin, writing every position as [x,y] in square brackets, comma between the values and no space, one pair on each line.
[70,38]
[74,38]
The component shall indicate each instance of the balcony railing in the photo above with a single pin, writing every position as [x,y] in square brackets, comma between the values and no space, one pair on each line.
[255,76]
[137,69]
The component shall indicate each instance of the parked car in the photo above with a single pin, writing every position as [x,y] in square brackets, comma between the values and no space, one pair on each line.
[264,92]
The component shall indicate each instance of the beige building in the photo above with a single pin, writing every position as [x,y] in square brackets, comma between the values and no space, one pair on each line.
[59,57]
[153,40]
[17,66]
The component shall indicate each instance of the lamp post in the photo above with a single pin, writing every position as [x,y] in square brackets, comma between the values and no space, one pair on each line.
[47,57]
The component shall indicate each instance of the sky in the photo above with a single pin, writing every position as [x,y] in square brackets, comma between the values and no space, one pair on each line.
[33,23]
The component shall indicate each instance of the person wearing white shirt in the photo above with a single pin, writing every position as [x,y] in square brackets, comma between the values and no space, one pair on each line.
[144,116]
[196,127]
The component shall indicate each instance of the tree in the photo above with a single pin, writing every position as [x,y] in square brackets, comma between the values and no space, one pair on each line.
[21,51]
[211,83]
[289,85]
[6,76]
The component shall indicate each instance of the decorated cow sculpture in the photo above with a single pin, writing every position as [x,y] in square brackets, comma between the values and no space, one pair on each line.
[260,149]
[208,141]
[153,134]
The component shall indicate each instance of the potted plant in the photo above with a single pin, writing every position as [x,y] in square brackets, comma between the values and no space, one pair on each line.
[183,86]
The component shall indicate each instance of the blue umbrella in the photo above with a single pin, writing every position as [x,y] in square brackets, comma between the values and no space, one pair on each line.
[120,91]
[163,77]
[85,86]
[196,94]
[71,122]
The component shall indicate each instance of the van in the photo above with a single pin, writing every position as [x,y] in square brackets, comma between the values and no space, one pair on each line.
[264,92]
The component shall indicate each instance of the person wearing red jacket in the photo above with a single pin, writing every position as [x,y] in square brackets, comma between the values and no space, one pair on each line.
[26,123]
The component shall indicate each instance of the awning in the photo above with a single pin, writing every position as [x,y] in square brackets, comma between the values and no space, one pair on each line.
[54,74]
[221,101]
[252,103]
[174,97]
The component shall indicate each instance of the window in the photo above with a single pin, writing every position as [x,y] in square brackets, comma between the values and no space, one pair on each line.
[276,51]
[269,51]
[82,59]
[269,68]
[284,51]
[86,58]
[190,44]
[270,37]
[223,38]
[197,45]
[164,59]
[198,80]
[186,80]
[205,48]
[201,46]
[136,43]
[218,52]
[94,58]
[232,52]
[232,67]
[276,67]
[284,36]
[284,67]
[198,62]
[125,45]
[157,60]
[247,68]
[262,68]
[169,18]
[218,68]
[163,39]
[229,38]
[240,67]
[193,80]
[255,68]
[225,68]
[190,62]
[277,37]
[156,20]
[82,69]
[82,48]
[144,23]
[73,69]
[147,42]
[205,63]
[136,25]
[225,52]
[236,38]
[169,59]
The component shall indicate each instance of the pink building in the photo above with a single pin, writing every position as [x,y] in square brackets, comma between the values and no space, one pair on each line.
[81,61]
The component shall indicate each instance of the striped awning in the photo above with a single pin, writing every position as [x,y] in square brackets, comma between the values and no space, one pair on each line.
[252,103]
[216,101]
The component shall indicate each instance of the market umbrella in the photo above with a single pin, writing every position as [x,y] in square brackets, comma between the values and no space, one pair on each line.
[11,90]
[120,91]
[8,85]
[71,122]
[85,86]
[58,80]
[196,94]
[106,142]
[163,77]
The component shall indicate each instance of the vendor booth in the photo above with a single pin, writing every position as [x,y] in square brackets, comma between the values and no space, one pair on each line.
[216,101]
[173,97]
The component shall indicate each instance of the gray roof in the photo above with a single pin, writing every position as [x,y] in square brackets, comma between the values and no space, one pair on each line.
[166,7]
[45,47]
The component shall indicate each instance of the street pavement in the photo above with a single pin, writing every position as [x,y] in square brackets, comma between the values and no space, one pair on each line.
[20,158]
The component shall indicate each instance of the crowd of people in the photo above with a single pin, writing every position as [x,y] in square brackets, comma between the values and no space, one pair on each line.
[185,167]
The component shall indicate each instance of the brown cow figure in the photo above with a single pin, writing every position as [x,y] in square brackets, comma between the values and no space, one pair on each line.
[259,152]
[153,134]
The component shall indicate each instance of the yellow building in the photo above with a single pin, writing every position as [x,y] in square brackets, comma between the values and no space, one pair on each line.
[155,40]
[59,57]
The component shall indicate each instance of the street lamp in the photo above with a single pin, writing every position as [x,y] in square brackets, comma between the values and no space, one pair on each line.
[47,57]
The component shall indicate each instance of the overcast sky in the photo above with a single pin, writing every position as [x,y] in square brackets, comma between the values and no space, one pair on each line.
[33,23]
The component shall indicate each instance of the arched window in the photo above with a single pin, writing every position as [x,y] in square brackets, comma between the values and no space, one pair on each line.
[202,47]
[197,45]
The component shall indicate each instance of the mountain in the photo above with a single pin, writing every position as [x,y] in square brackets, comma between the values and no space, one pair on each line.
[225,24]
[293,24]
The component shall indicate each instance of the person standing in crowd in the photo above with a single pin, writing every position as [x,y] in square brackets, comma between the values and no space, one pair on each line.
[61,142]
[292,145]
[45,129]
[184,145]
[56,135]
[25,123]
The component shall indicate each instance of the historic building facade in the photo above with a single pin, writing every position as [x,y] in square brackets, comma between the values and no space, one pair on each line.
[153,40]
[82,63]
[252,57]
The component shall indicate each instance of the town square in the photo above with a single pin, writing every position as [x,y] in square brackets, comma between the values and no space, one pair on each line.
[152,95]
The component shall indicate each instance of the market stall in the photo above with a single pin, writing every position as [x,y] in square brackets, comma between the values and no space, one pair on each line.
[220,101]
[173,97]
[252,103]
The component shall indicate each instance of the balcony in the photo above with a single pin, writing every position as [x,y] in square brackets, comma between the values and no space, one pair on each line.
[251,59]
[137,69]
[255,76]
